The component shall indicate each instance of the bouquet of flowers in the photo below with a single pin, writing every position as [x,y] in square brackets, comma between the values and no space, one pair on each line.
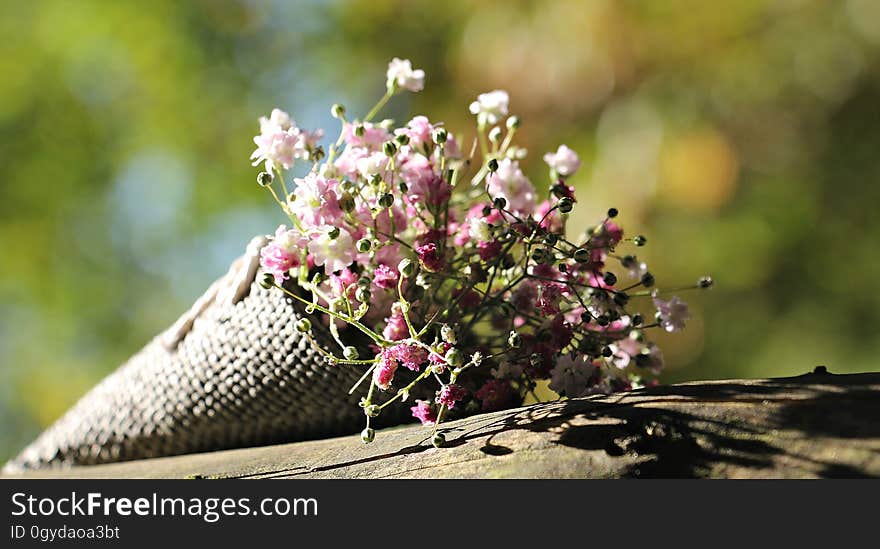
[438,270]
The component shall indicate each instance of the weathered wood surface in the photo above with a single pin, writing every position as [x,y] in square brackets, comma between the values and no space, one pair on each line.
[815,425]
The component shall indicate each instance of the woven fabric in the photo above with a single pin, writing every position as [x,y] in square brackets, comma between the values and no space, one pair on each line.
[241,376]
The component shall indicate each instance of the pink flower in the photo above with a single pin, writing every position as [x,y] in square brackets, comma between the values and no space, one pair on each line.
[572,377]
[282,254]
[373,138]
[410,356]
[383,375]
[438,360]
[510,183]
[488,250]
[316,201]
[344,283]
[672,313]
[449,394]
[425,185]
[430,257]
[420,133]
[281,142]
[424,412]
[334,253]
[564,161]
[395,325]
[495,394]
[549,296]
[385,277]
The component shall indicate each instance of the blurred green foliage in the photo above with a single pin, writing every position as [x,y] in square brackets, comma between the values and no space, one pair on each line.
[740,136]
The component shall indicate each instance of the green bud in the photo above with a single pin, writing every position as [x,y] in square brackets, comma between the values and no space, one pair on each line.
[264,179]
[360,130]
[350,353]
[539,255]
[640,240]
[705,282]
[402,139]
[406,267]
[404,188]
[438,440]
[514,340]
[647,280]
[440,136]
[513,122]
[337,111]
[367,435]
[363,294]
[493,165]
[499,202]
[565,204]
[334,233]
[454,357]
[346,202]
[495,134]
[303,325]
[364,245]
[386,200]
[267,281]
[581,255]
[389,148]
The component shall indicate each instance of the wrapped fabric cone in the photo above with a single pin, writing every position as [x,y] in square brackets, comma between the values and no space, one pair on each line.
[231,372]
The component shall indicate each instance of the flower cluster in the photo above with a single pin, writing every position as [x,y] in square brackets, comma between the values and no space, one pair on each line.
[430,266]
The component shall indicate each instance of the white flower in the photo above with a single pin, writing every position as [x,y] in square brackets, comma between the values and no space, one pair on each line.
[509,182]
[373,164]
[571,376]
[333,253]
[671,314]
[401,74]
[490,107]
[564,161]
[478,229]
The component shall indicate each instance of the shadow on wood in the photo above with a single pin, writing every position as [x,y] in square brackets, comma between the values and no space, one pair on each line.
[815,425]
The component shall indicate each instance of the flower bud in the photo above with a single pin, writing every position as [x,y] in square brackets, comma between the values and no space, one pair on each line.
[390,148]
[493,165]
[337,111]
[508,261]
[303,325]
[637,320]
[565,204]
[360,130]
[363,294]
[447,333]
[317,154]
[334,233]
[454,357]
[350,353]
[513,122]
[438,440]
[404,188]
[514,340]
[372,410]
[267,281]
[499,202]
[539,255]
[386,200]
[406,267]
[640,240]
[346,202]
[364,245]
[495,134]
[612,213]
[610,279]
[705,282]
[264,179]
[402,139]
[440,136]
[367,435]
[647,280]
[581,255]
